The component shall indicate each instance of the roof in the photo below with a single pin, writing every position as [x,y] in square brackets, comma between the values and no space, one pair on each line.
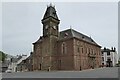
[108,50]
[70,33]
[23,58]
[50,12]
[39,40]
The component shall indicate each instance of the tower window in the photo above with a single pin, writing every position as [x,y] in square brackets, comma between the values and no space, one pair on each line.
[54,13]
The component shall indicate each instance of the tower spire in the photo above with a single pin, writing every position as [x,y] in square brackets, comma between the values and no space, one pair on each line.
[50,22]
[50,12]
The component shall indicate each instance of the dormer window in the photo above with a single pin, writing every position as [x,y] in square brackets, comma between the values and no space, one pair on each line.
[82,36]
[66,34]
[54,13]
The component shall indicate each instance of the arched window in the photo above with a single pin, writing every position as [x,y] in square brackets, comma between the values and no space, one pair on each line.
[64,48]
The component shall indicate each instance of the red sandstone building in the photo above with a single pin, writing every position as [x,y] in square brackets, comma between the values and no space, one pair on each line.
[66,50]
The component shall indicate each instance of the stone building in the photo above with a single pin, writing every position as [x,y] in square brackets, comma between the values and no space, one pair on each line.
[65,50]
[25,64]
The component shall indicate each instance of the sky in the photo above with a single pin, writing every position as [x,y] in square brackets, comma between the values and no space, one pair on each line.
[21,23]
[0,26]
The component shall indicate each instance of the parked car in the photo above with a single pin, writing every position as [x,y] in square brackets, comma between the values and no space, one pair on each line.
[9,71]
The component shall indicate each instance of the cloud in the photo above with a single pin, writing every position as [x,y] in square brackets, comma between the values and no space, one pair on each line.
[22,23]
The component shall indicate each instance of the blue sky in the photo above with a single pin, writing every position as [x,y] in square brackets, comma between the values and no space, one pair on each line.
[22,23]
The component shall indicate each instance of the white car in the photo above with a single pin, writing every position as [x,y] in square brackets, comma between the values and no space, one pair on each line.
[9,71]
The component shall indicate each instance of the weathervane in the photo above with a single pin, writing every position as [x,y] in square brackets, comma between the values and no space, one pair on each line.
[51,4]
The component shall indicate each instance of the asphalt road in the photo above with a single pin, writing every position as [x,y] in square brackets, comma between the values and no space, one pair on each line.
[96,73]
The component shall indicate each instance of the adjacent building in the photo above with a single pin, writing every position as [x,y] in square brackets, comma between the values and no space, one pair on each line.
[13,64]
[19,64]
[7,62]
[109,57]
[65,50]
[25,64]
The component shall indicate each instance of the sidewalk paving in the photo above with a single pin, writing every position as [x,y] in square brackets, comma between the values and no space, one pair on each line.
[94,73]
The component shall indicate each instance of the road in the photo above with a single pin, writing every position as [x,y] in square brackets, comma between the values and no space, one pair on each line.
[96,73]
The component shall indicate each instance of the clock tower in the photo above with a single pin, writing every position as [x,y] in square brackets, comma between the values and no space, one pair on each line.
[49,40]
[50,22]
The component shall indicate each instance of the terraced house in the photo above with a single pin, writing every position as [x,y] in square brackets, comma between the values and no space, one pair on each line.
[65,50]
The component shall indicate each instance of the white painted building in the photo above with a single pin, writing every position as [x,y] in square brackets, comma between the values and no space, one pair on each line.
[109,57]
[15,61]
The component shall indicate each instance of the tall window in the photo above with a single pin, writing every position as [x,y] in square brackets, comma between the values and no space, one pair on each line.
[102,54]
[89,50]
[108,53]
[40,66]
[102,58]
[64,48]
[59,62]
[78,49]
[82,50]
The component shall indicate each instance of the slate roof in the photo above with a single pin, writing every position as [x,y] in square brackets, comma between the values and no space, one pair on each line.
[70,33]
[39,40]
[30,57]
[107,50]
[50,12]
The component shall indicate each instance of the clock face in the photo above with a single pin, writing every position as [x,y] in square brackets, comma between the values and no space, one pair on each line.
[46,27]
[54,27]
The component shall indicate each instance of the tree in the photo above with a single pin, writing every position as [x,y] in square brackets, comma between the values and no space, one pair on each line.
[2,56]
[119,62]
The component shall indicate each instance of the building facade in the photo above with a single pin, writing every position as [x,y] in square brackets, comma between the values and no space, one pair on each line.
[20,64]
[65,50]
[109,57]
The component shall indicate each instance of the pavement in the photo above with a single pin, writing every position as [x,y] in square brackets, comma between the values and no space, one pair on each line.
[93,74]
